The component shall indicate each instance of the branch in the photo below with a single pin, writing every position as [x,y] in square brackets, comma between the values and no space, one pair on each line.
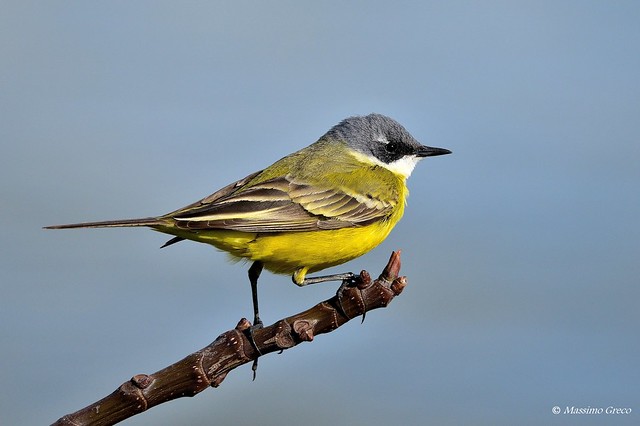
[209,366]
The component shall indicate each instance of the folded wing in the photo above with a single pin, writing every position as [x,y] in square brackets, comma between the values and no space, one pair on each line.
[281,205]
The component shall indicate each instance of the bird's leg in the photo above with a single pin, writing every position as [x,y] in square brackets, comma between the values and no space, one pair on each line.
[347,278]
[254,274]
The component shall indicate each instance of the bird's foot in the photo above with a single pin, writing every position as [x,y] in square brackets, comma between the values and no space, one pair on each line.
[257,325]
[351,280]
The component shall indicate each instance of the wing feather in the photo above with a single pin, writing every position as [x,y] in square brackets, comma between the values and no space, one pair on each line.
[279,205]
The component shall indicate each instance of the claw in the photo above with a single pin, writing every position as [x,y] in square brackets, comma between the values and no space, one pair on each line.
[249,333]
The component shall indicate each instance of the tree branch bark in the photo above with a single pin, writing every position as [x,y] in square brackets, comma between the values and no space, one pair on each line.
[209,366]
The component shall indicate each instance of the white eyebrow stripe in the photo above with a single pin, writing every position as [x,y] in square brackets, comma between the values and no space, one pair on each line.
[382,139]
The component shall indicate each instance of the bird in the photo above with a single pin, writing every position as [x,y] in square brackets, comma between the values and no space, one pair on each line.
[319,207]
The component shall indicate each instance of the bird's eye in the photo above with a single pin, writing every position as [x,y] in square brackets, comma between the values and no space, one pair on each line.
[391,147]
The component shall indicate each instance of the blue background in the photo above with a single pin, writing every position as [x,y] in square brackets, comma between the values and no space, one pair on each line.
[522,248]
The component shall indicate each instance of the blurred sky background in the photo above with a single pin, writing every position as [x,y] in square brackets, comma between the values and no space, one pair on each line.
[522,248]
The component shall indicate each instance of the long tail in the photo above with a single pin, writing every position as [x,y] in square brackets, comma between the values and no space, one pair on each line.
[147,221]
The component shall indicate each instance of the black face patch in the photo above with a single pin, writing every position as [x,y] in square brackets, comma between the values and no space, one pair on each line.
[391,151]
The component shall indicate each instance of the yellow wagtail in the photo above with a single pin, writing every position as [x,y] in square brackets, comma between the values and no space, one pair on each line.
[321,206]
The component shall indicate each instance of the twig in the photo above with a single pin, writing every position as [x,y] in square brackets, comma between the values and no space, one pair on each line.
[210,365]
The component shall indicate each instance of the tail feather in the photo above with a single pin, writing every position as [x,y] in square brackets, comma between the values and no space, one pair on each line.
[172,241]
[147,221]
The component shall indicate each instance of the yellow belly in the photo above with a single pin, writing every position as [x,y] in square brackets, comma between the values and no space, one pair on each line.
[295,252]
[314,251]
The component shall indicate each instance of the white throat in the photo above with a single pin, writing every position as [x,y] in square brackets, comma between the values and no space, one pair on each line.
[403,166]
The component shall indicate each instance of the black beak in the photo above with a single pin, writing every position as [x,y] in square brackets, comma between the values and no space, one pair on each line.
[427,151]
